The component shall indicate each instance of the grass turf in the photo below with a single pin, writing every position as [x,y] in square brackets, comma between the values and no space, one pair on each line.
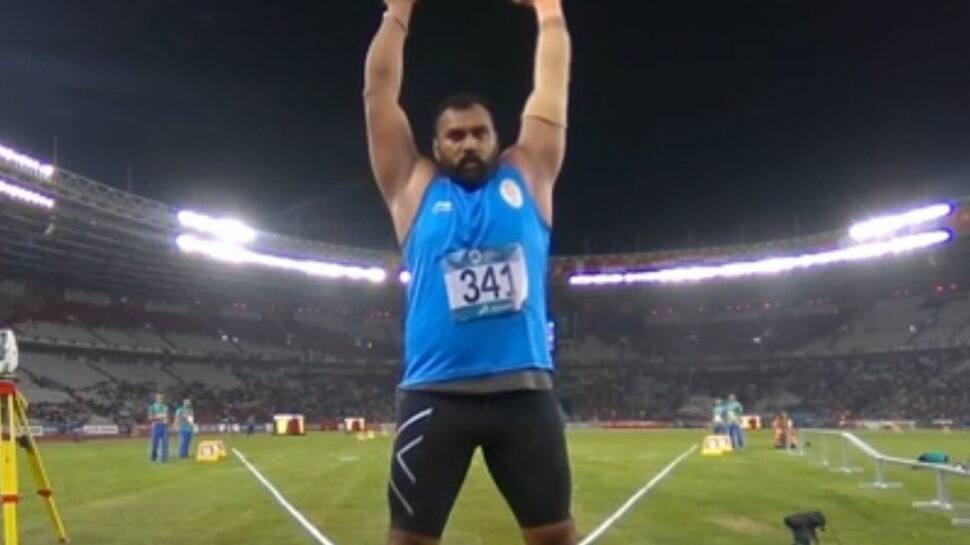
[110,494]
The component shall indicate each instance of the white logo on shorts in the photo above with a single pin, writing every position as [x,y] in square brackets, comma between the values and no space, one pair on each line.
[511,193]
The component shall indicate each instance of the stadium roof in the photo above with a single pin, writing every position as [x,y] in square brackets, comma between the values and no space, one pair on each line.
[100,237]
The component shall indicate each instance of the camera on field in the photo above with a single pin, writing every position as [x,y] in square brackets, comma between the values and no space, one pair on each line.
[9,357]
[804,526]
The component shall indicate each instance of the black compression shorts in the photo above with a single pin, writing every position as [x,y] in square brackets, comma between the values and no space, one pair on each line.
[522,440]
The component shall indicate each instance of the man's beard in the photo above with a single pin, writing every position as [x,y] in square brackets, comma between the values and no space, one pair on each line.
[471,171]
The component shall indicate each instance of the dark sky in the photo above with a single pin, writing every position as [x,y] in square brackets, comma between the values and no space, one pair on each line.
[692,122]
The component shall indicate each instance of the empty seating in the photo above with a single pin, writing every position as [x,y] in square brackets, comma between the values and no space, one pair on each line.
[211,375]
[72,373]
[56,333]
[952,318]
[889,324]
[148,339]
[137,373]
[201,344]
[38,394]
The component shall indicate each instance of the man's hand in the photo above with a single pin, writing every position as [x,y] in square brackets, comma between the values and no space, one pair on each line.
[538,3]
[545,9]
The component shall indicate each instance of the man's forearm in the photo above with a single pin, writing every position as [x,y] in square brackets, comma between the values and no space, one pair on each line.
[550,95]
[385,58]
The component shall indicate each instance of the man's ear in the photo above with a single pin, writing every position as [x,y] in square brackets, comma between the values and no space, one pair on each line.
[435,150]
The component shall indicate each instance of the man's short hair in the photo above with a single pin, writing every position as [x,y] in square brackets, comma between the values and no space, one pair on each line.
[461,101]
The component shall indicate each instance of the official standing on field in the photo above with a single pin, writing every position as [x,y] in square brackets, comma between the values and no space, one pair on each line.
[185,418]
[158,420]
[735,417]
[718,417]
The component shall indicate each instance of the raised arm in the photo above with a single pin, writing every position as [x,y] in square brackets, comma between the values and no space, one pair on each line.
[541,146]
[393,153]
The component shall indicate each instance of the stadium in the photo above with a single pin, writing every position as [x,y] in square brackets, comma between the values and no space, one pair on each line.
[110,303]
[856,339]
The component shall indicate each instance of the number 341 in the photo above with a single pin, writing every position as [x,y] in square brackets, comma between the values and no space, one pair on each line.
[489,283]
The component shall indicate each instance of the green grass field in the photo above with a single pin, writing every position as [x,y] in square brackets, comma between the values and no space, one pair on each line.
[110,494]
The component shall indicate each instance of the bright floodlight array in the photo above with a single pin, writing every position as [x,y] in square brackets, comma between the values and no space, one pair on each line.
[875,238]
[25,196]
[231,235]
[225,229]
[231,253]
[26,164]
[888,225]
[768,266]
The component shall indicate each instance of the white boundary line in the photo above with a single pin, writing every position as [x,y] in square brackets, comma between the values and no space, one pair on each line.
[322,539]
[633,499]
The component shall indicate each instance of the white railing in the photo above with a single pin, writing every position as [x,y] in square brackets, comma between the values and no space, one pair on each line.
[823,439]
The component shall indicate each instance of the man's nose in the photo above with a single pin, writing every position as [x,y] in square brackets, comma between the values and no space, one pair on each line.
[470,143]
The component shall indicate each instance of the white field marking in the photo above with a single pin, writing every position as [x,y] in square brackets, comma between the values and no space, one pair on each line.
[635,497]
[322,539]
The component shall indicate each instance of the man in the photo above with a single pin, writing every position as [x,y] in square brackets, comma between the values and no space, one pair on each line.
[717,418]
[780,425]
[185,418]
[158,421]
[735,415]
[474,226]
[786,436]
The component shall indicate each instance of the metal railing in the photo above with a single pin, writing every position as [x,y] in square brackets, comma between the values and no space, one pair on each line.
[824,439]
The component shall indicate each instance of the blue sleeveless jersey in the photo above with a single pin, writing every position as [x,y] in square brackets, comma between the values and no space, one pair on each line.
[476,303]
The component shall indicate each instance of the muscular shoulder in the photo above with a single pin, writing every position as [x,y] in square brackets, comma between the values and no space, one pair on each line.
[517,157]
[404,205]
[534,176]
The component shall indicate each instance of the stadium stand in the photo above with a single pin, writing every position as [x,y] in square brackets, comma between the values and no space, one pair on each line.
[148,339]
[889,324]
[11,288]
[59,370]
[109,305]
[211,375]
[680,361]
[56,333]
[114,337]
[38,394]
[138,373]
[200,344]
[920,386]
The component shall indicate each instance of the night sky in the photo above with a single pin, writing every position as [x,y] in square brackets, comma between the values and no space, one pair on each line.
[692,123]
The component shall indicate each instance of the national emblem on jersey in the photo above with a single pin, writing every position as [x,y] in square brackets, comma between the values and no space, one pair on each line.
[511,193]
[441,207]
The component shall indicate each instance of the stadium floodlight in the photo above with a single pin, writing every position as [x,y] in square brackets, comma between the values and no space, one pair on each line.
[884,226]
[768,266]
[231,253]
[26,164]
[225,229]
[404,277]
[25,196]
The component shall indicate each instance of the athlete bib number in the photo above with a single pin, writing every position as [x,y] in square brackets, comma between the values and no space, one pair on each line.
[486,282]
